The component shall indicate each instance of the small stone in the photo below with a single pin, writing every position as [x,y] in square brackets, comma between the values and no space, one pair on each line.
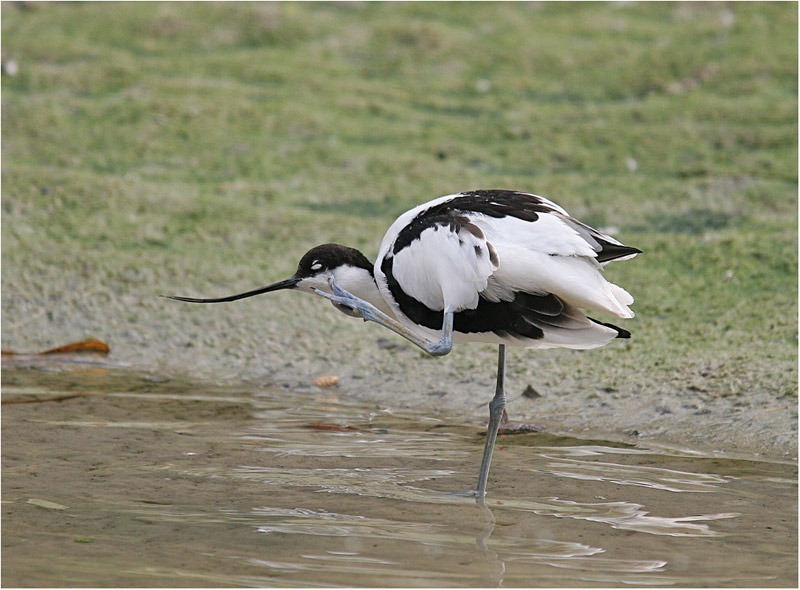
[326,380]
[531,393]
[10,67]
[387,344]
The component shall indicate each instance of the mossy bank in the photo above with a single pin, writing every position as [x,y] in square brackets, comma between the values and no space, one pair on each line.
[202,148]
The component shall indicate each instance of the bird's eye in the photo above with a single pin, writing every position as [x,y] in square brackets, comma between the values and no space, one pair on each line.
[316,265]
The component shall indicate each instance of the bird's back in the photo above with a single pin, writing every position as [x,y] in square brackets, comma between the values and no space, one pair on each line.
[513,267]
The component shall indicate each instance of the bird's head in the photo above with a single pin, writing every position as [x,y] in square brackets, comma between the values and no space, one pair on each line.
[350,268]
[347,265]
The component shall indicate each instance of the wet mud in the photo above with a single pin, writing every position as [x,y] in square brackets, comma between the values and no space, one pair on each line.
[135,480]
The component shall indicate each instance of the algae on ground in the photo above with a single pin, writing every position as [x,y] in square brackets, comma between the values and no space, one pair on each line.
[201,148]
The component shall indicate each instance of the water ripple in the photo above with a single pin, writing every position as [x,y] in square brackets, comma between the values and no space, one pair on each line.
[657,478]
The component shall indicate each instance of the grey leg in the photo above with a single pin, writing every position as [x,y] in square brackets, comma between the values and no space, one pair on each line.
[368,312]
[496,409]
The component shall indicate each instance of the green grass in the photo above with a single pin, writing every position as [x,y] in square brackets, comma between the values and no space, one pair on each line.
[205,146]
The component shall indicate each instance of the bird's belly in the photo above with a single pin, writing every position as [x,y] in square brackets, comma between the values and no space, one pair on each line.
[487,337]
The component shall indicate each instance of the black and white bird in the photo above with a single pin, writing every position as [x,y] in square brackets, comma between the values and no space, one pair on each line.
[496,266]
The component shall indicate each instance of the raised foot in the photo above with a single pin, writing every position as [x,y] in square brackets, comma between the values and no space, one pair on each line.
[343,299]
[360,308]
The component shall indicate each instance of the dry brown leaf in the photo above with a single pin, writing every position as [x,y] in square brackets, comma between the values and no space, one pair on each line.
[84,346]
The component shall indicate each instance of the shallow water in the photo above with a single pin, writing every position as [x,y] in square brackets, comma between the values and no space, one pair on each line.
[149,482]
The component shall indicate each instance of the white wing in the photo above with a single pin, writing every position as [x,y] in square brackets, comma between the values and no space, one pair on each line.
[447,267]
[550,255]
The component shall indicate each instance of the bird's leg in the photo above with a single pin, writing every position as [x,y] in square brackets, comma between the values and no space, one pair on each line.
[370,313]
[496,410]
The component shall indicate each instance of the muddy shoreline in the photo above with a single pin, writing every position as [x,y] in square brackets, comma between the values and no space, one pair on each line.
[119,478]
[677,419]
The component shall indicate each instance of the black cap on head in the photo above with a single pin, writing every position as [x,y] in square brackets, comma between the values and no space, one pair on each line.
[329,256]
